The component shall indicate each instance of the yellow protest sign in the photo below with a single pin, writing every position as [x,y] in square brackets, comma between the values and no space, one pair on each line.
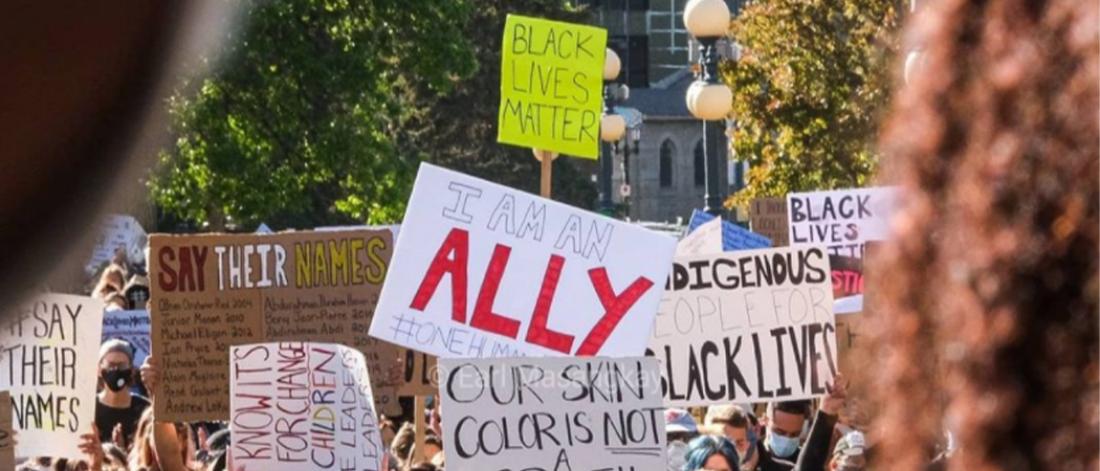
[551,74]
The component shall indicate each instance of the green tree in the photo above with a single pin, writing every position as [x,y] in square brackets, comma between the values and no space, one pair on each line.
[808,92]
[460,128]
[300,125]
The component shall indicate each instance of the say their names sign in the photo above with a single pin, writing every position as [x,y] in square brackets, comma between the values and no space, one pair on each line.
[49,352]
[302,405]
[749,326]
[552,414]
[490,271]
[842,220]
[213,291]
[551,75]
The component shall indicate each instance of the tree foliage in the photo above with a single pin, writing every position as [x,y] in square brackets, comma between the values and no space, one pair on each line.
[809,90]
[321,109]
[299,125]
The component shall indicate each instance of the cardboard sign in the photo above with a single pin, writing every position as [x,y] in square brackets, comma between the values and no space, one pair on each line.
[302,405]
[49,353]
[842,220]
[734,237]
[488,271]
[552,413]
[131,326]
[705,239]
[850,333]
[7,435]
[118,232]
[751,326]
[214,291]
[768,217]
[421,376]
[551,79]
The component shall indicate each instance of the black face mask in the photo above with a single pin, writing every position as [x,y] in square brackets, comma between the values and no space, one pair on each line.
[117,379]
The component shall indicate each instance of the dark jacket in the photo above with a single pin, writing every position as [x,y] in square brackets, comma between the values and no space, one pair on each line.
[814,454]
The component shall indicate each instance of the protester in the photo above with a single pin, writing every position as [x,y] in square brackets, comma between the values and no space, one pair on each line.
[116,301]
[785,423]
[112,280]
[850,453]
[137,292]
[737,426]
[118,409]
[711,453]
[680,428]
[815,453]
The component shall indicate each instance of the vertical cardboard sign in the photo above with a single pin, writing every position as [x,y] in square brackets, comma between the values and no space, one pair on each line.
[842,220]
[768,216]
[421,375]
[7,435]
[552,413]
[131,326]
[49,350]
[488,271]
[551,79]
[302,405]
[213,291]
[751,326]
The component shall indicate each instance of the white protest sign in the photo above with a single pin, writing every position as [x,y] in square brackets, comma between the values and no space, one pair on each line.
[131,326]
[302,406]
[705,239]
[552,414]
[842,220]
[49,350]
[488,271]
[119,231]
[748,326]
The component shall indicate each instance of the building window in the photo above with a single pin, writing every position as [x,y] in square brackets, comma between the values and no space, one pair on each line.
[668,150]
[633,51]
[700,164]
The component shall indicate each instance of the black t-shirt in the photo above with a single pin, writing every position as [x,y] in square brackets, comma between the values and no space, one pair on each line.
[107,417]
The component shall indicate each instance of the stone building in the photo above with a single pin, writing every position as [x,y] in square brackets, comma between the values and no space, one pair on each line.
[663,148]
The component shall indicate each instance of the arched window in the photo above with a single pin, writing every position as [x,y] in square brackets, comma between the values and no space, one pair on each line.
[700,165]
[668,149]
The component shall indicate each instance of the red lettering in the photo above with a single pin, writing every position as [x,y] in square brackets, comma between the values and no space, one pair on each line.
[537,332]
[615,307]
[166,276]
[451,259]
[484,318]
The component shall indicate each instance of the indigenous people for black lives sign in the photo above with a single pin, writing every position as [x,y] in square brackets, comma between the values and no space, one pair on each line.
[49,350]
[213,291]
[302,405]
[488,271]
[551,75]
[842,220]
[543,414]
[749,326]
[131,326]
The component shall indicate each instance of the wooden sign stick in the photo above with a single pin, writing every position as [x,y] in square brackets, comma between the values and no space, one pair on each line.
[547,159]
[420,403]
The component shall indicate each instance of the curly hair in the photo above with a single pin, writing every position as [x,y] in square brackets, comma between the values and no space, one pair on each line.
[985,302]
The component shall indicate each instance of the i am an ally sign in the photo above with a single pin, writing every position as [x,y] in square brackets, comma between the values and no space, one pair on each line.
[542,414]
[746,326]
[302,405]
[490,272]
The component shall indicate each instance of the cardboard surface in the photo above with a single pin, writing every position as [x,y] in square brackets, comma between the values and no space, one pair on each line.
[552,413]
[213,291]
[768,217]
[488,271]
[551,86]
[747,326]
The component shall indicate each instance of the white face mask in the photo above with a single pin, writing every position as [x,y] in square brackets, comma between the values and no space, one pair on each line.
[677,455]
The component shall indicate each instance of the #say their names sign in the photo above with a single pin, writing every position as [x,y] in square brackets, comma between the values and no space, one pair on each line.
[747,326]
[302,405]
[551,76]
[489,271]
[842,220]
[552,413]
[49,355]
[216,290]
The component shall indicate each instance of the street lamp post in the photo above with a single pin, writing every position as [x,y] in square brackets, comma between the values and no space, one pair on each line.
[612,128]
[707,98]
